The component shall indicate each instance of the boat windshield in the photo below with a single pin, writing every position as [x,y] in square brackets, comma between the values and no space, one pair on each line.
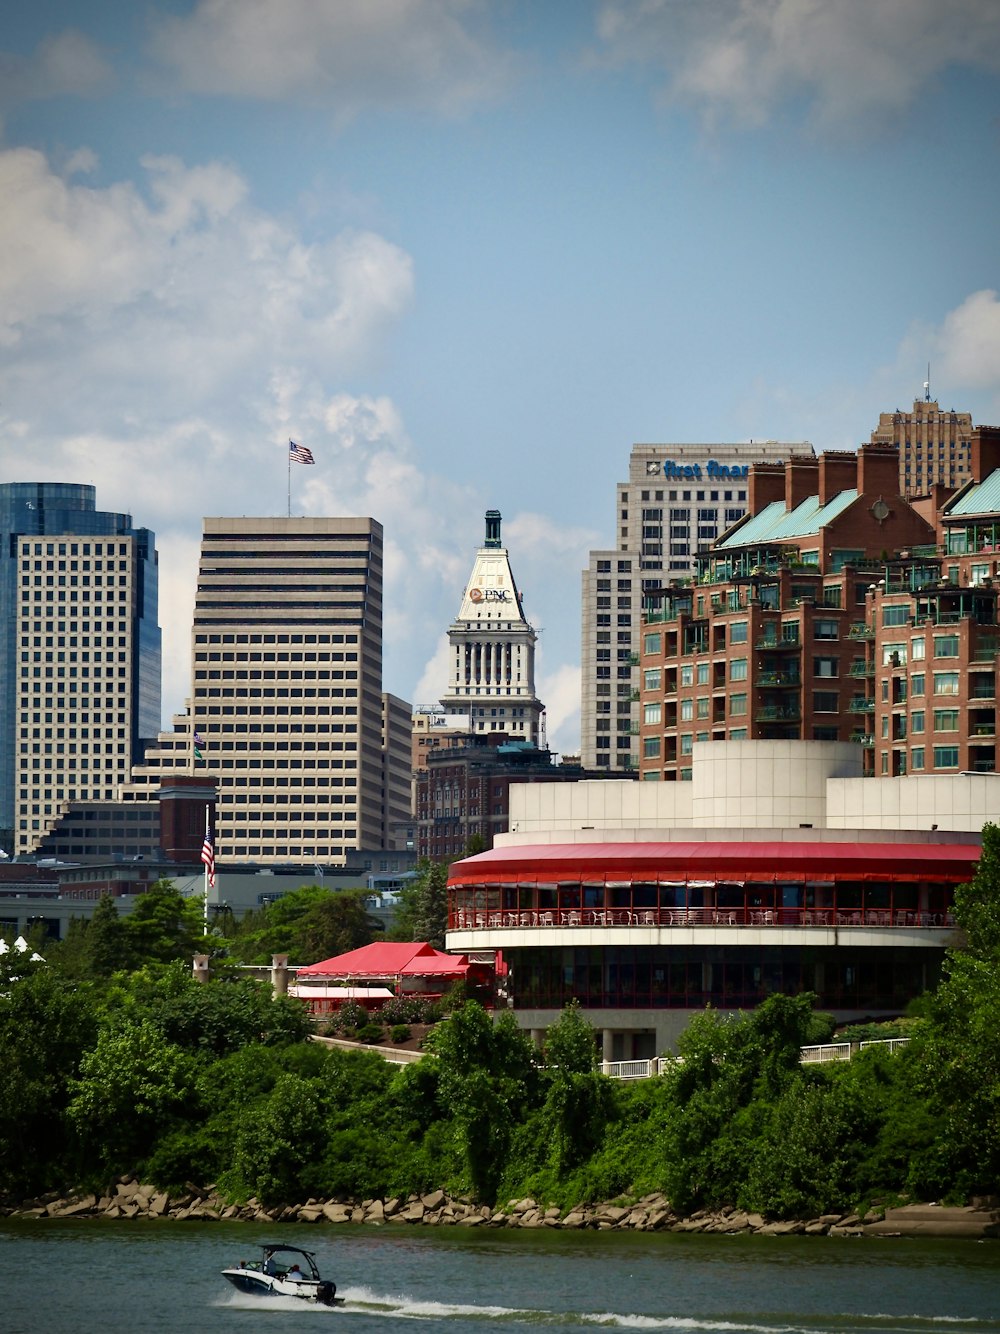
[278,1260]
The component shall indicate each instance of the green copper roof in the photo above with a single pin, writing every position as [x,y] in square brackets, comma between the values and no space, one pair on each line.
[774,524]
[983,498]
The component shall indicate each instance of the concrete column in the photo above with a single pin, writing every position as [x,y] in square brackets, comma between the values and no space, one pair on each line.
[538,1038]
[607,1048]
[279,974]
[199,970]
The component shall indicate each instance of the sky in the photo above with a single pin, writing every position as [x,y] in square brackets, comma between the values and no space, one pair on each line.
[469,252]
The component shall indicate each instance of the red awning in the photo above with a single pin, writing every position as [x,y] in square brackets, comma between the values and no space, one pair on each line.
[795,862]
[388,958]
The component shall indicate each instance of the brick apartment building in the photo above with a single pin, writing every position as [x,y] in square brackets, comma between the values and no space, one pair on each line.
[769,640]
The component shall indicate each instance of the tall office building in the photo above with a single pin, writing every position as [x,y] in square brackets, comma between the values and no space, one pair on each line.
[80,656]
[492,649]
[677,500]
[934,446]
[286,707]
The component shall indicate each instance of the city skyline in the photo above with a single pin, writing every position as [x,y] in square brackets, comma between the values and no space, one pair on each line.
[468,255]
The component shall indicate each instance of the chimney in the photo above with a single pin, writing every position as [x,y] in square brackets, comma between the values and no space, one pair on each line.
[838,471]
[766,485]
[183,798]
[878,470]
[279,974]
[801,480]
[985,452]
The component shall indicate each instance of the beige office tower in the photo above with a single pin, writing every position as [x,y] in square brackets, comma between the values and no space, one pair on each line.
[934,446]
[287,706]
[492,650]
[678,499]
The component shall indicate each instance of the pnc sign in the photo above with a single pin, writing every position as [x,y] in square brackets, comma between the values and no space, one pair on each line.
[489,595]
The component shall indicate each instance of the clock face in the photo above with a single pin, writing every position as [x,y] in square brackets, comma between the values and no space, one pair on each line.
[652,467]
[880,510]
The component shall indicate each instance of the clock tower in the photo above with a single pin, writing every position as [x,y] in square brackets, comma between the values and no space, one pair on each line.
[492,650]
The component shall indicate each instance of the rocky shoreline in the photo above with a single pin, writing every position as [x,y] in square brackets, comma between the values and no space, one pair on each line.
[130,1199]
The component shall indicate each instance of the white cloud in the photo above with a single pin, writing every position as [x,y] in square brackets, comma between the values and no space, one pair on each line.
[163,342]
[851,59]
[344,54]
[560,693]
[967,345]
[64,63]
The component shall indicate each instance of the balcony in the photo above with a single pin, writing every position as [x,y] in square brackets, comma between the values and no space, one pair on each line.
[859,668]
[860,631]
[782,680]
[777,713]
[775,645]
[861,705]
[862,738]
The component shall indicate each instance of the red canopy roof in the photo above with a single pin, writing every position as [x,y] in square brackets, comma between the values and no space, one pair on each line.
[388,958]
[575,863]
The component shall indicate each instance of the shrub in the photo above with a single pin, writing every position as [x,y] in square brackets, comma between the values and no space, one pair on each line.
[401,1010]
[370,1033]
[399,1032]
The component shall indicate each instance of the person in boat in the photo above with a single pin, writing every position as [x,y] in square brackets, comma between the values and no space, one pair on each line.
[295,1275]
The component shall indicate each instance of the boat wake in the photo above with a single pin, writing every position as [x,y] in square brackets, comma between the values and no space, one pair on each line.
[363,1300]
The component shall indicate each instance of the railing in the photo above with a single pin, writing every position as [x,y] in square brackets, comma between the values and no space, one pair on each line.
[860,631]
[861,705]
[826,1051]
[507,919]
[814,1055]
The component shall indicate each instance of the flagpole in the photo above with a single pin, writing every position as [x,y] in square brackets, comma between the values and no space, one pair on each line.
[289,479]
[208,829]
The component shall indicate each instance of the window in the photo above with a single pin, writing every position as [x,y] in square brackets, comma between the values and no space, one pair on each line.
[946,720]
[945,757]
[738,632]
[917,720]
[703,707]
[946,646]
[738,669]
[703,673]
[737,704]
[687,675]
[894,654]
[651,747]
[823,629]
[652,643]
[737,734]
[917,683]
[651,678]
[899,614]
[826,701]
[946,683]
[687,710]
[652,714]
[918,648]
[826,666]
[917,757]
[687,743]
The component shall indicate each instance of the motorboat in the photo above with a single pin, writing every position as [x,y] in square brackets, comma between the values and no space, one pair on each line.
[284,1271]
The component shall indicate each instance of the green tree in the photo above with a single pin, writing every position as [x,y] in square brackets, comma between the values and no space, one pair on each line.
[46,1026]
[309,924]
[423,909]
[162,926]
[958,1048]
[132,1087]
[488,1081]
[579,1102]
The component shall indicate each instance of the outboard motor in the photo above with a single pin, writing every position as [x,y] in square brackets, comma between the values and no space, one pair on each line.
[326,1292]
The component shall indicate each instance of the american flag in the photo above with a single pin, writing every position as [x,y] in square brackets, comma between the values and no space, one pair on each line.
[208,857]
[299,453]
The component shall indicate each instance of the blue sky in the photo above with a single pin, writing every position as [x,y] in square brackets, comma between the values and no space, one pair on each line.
[469,253]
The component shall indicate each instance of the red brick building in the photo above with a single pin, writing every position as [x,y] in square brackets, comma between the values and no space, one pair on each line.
[769,641]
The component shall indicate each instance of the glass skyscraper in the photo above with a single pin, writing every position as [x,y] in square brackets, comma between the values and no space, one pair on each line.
[79,653]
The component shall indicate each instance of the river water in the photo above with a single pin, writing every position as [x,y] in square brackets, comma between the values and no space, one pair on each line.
[58,1276]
